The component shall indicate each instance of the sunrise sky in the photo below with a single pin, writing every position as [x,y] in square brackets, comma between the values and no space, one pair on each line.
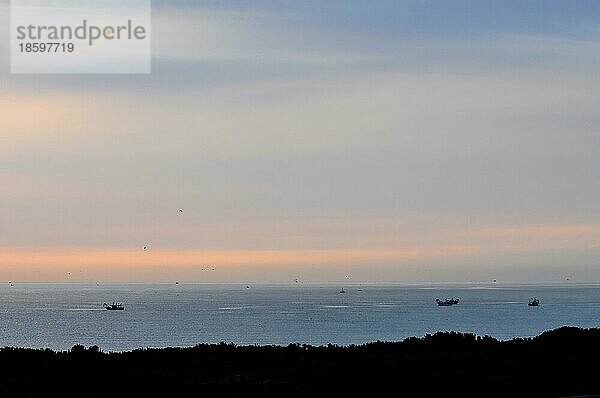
[398,141]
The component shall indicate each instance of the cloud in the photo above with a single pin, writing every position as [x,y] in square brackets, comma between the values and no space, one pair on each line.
[313,134]
[490,144]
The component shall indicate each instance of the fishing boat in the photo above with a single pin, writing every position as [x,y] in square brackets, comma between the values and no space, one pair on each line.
[114,306]
[533,302]
[447,302]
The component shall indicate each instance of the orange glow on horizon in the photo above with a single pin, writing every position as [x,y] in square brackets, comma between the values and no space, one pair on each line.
[50,264]
[483,244]
[142,258]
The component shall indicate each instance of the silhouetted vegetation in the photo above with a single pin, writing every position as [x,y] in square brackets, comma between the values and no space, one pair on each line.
[561,362]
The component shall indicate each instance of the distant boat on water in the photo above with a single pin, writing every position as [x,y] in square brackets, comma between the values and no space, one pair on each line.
[533,302]
[114,306]
[342,291]
[447,302]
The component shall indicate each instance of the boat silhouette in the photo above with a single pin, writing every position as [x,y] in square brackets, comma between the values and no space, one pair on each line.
[114,306]
[447,302]
[533,302]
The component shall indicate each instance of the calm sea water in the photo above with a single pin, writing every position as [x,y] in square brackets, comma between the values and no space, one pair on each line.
[61,315]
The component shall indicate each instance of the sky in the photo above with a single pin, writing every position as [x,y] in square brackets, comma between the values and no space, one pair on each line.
[329,141]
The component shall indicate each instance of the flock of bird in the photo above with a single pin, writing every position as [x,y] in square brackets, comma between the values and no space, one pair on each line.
[146,247]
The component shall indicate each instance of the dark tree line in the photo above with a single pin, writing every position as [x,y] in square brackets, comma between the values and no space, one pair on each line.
[562,362]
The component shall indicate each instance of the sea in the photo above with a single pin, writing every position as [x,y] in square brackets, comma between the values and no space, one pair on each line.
[58,316]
